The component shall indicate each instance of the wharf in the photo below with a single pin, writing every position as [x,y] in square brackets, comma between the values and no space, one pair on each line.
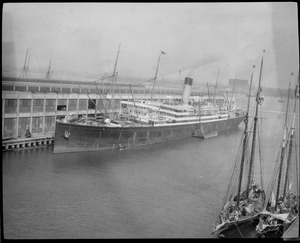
[28,143]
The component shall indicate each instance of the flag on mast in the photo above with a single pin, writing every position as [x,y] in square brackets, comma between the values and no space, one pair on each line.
[162,52]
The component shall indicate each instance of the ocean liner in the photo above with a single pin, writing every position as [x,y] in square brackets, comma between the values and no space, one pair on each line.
[145,122]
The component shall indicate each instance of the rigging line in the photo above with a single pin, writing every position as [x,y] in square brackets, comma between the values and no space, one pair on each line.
[232,175]
[272,180]
[297,150]
[260,156]
[249,150]
[275,173]
[238,230]
[100,95]
[297,166]
[88,96]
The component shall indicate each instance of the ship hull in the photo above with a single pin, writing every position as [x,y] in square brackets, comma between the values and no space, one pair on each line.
[244,228]
[89,138]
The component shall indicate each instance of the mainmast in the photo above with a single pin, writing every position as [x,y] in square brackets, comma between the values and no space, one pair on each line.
[113,83]
[291,138]
[245,140]
[283,148]
[155,77]
[258,102]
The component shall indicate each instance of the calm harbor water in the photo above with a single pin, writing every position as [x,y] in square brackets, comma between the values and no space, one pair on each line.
[172,190]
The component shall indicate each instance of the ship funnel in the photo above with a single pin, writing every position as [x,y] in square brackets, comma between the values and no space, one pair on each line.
[187,90]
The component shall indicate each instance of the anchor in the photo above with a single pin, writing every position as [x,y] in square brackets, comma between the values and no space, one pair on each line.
[67,134]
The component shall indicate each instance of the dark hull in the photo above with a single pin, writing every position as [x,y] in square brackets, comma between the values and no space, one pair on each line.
[239,229]
[88,138]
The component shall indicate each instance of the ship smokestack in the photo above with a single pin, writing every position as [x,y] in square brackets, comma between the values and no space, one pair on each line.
[187,90]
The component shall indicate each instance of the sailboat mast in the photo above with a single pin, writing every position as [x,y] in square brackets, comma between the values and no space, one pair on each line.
[283,149]
[291,138]
[245,139]
[255,126]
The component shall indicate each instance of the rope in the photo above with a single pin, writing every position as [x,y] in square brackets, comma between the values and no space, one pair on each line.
[260,158]
[239,230]
[297,151]
[232,175]
[275,173]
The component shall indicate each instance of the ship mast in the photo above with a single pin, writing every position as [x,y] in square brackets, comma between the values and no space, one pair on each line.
[245,140]
[25,67]
[258,101]
[283,148]
[49,72]
[208,92]
[114,78]
[155,77]
[232,92]
[200,124]
[214,100]
[291,138]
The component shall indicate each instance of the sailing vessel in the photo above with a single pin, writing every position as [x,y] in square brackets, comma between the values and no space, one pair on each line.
[283,201]
[142,122]
[241,207]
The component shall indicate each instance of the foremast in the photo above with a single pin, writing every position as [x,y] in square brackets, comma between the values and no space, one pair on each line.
[155,76]
[245,140]
[291,138]
[283,149]
[114,80]
[258,102]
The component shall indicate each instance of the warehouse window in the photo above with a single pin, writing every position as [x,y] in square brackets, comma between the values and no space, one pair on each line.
[50,105]
[61,104]
[72,105]
[91,104]
[38,105]
[9,127]
[25,106]
[10,106]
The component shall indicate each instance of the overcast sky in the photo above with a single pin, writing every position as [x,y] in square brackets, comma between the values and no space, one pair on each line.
[198,38]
